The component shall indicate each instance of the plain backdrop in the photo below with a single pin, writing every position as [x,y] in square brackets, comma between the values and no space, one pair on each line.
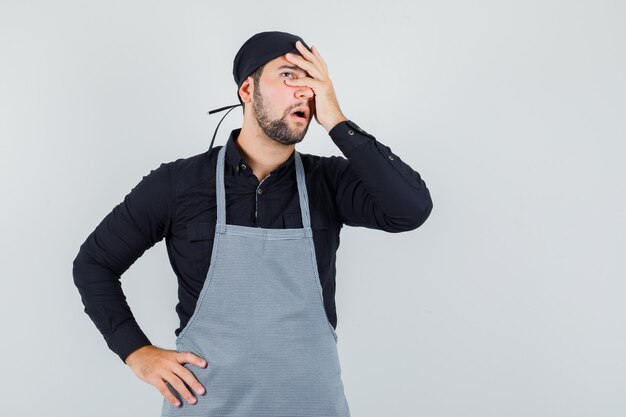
[508,301]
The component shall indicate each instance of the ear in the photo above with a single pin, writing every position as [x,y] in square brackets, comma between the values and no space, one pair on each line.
[246,90]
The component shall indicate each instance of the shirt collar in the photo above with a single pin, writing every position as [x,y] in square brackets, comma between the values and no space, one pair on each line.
[235,159]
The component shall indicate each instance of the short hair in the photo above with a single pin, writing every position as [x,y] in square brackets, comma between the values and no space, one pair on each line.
[256,76]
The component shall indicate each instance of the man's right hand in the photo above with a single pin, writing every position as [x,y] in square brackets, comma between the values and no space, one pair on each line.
[156,366]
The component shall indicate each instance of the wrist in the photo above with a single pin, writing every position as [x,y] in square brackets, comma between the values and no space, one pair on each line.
[135,353]
[329,126]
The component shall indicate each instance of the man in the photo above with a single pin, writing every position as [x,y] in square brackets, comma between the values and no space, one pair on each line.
[252,230]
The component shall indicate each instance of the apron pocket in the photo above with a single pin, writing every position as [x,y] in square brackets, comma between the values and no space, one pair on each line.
[200,238]
[200,231]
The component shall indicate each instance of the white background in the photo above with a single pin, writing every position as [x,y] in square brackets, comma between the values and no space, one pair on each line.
[508,301]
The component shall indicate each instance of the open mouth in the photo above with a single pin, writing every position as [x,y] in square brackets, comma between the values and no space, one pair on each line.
[299,115]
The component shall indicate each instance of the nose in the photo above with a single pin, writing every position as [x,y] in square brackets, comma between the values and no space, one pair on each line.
[304,92]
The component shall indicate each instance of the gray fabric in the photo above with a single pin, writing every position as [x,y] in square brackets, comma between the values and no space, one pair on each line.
[261,325]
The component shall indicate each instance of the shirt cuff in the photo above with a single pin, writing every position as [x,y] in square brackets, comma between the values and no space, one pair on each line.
[125,340]
[347,135]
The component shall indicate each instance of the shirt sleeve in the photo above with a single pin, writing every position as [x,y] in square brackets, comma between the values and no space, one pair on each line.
[133,226]
[374,188]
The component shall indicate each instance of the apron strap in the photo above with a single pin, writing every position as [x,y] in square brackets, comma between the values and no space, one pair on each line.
[302,192]
[221,192]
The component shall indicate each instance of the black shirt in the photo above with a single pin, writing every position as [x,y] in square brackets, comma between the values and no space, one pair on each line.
[372,188]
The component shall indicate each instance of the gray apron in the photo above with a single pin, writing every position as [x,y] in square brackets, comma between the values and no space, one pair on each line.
[260,324]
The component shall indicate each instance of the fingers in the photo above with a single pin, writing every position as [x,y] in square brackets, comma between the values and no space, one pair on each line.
[305,52]
[306,82]
[180,387]
[180,378]
[309,61]
[319,57]
[158,366]
[187,376]
[165,391]
[305,65]
[190,357]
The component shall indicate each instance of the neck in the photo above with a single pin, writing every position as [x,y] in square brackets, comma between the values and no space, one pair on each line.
[262,153]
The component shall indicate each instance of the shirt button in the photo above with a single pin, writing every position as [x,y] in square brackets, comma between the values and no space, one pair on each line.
[391,157]
[243,166]
[351,132]
[260,191]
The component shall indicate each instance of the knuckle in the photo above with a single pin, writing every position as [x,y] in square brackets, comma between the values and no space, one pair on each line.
[180,356]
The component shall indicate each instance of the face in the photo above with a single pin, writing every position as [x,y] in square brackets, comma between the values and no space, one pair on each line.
[273,102]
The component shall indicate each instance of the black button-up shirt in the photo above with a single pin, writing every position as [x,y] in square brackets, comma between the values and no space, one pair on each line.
[372,188]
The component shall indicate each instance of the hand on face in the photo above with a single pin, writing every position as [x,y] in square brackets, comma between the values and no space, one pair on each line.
[327,111]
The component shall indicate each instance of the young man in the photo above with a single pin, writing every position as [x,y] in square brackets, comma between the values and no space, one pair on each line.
[252,229]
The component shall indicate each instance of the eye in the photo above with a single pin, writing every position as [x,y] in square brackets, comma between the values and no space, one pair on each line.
[287,72]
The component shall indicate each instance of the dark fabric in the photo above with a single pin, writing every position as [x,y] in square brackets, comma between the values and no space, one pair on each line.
[369,187]
[260,49]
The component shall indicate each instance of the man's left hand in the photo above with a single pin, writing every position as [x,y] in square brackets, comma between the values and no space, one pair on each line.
[327,111]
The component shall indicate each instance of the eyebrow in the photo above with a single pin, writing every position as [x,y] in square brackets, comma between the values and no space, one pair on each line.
[291,67]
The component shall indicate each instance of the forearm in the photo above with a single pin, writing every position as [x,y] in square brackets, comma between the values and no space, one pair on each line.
[132,227]
[394,196]
[105,304]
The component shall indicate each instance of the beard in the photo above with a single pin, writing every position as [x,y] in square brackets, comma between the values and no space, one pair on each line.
[278,129]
